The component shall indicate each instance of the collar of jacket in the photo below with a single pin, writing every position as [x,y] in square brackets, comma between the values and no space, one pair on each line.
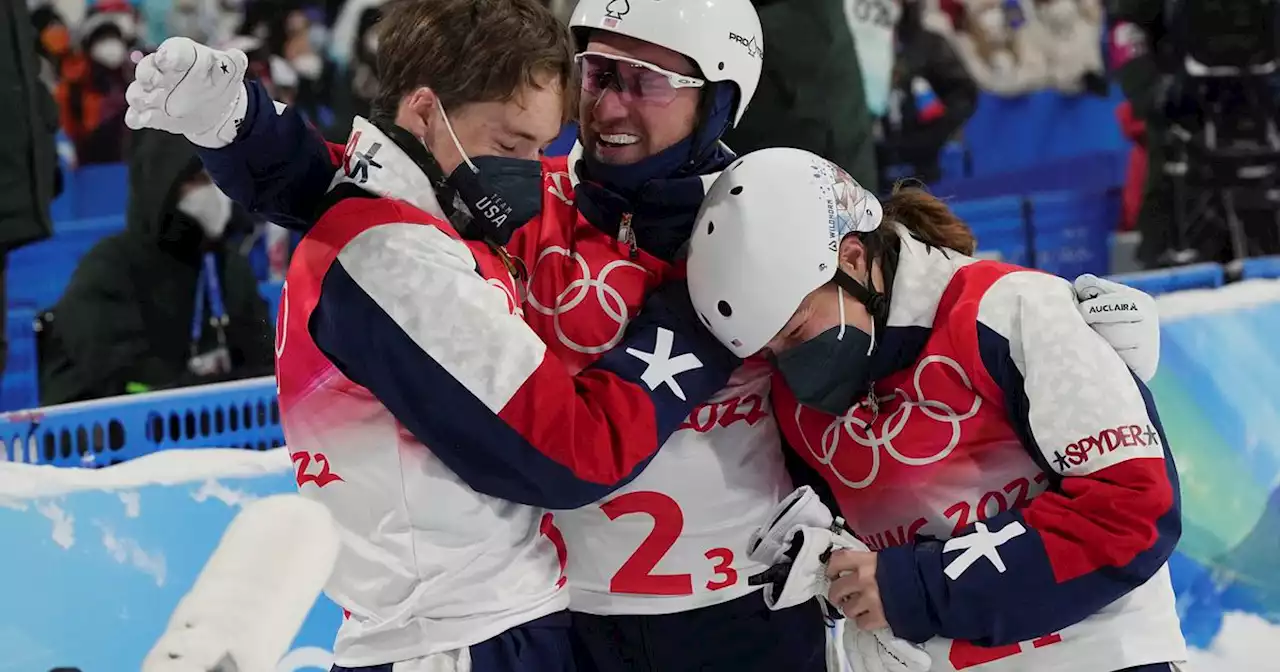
[663,210]
[387,160]
[922,275]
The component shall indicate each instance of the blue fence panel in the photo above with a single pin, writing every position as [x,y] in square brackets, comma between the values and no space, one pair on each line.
[1073,231]
[1265,268]
[1163,281]
[1008,134]
[1096,172]
[1000,226]
[242,414]
[99,190]
[39,273]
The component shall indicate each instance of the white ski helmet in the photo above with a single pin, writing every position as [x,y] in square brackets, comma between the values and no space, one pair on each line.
[722,37]
[767,235]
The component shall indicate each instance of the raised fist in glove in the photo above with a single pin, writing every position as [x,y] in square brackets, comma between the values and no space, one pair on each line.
[1126,318]
[189,89]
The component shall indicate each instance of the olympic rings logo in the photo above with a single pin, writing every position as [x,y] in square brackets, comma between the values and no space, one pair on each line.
[573,294]
[863,434]
[513,305]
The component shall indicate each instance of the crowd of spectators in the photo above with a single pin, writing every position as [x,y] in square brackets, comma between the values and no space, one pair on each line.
[879,86]
[917,61]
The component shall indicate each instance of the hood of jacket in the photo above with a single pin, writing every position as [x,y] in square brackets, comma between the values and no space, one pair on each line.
[159,163]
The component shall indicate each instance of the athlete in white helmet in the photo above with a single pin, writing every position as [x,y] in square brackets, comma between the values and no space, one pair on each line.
[1006,474]
[659,572]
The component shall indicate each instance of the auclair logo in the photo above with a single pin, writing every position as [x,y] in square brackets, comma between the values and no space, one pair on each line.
[1104,442]
[1113,308]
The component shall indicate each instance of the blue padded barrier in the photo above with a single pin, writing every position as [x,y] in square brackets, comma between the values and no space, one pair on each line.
[1163,281]
[1095,172]
[39,273]
[1072,231]
[100,190]
[1260,268]
[241,414]
[953,161]
[1014,133]
[19,384]
[1001,227]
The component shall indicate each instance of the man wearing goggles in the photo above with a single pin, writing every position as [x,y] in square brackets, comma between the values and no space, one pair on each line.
[659,569]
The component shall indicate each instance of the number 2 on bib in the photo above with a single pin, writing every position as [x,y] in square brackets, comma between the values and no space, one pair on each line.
[636,575]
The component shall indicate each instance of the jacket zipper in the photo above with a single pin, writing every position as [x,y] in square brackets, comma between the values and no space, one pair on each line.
[627,236]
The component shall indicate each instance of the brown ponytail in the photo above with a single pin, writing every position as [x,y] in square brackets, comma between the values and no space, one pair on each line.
[928,218]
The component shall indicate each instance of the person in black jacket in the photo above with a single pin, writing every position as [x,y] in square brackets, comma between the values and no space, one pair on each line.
[811,94]
[933,96]
[163,303]
[28,159]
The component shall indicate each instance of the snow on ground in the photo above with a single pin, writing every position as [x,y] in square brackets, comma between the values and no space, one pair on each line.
[168,467]
[1246,643]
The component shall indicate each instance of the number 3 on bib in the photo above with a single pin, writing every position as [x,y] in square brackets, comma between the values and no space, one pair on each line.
[636,576]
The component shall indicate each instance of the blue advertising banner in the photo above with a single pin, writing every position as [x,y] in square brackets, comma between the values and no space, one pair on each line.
[96,560]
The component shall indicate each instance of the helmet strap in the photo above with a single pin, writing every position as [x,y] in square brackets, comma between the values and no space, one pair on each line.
[877,303]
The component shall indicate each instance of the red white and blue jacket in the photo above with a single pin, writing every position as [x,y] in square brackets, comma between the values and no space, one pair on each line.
[438,427]
[675,537]
[1011,472]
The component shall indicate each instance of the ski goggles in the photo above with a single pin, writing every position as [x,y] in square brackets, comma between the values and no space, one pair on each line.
[631,78]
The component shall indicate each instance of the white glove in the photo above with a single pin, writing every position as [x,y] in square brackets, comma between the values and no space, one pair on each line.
[881,651]
[1127,318]
[802,574]
[802,508]
[190,89]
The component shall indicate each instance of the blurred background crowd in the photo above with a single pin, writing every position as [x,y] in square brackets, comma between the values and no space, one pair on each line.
[1161,113]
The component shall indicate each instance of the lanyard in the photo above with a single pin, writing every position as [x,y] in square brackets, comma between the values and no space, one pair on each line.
[207,284]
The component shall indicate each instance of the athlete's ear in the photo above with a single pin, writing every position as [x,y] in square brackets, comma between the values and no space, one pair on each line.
[417,113]
[853,257]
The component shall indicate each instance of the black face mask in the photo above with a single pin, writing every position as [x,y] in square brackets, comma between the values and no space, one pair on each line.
[829,372]
[502,193]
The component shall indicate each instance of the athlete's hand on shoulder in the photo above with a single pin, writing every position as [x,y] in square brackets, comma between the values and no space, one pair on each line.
[669,306]
[1126,317]
[854,589]
[189,89]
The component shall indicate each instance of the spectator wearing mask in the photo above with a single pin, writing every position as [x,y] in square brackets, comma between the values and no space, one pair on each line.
[28,163]
[297,34]
[932,97]
[163,303]
[811,94]
[91,91]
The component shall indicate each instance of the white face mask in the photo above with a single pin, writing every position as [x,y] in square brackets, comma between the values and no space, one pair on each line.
[109,52]
[308,65]
[209,207]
